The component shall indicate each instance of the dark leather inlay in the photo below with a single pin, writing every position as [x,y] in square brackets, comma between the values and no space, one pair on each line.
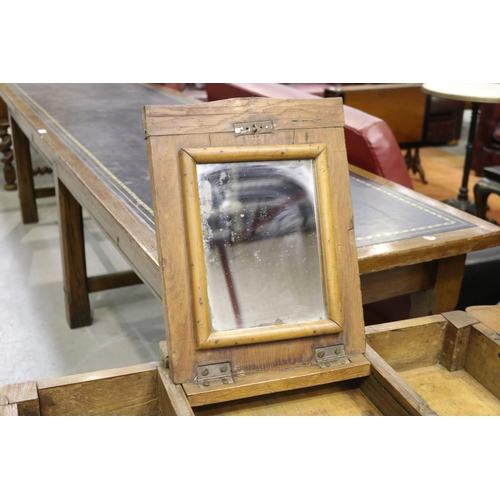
[102,124]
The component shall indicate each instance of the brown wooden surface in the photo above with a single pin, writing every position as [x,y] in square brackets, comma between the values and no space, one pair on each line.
[339,399]
[291,121]
[25,181]
[408,344]
[73,256]
[6,149]
[417,350]
[483,357]
[24,395]
[129,391]
[401,106]
[456,339]
[488,315]
[114,280]
[419,386]
[390,390]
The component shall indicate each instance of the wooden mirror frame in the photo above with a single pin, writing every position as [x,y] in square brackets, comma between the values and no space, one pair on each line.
[266,365]
[205,337]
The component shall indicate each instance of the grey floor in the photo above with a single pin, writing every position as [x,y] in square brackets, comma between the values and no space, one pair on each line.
[35,340]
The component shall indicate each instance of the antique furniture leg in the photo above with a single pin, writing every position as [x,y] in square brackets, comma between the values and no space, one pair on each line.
[414,164]
[73,256]
[444,295]
[5,148]
[482,189]
[27,194]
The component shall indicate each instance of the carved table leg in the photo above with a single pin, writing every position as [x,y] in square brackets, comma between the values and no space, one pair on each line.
[8,156]
[414,164]
[27,195]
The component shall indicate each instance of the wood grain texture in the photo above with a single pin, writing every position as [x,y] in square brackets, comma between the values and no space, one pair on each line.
[24,168]
[452,393]
[129,391]
[338,399]
[24,395]
[401,106]
[456,339]
[410,343]
[171,397]
[269,381]
[220,116]
[482,360]
[72,240]
[488,315]
[9,411]
[395,282]
[172,228]
[402,394]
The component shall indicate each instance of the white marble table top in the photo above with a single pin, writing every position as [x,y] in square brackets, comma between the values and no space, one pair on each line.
[471,92]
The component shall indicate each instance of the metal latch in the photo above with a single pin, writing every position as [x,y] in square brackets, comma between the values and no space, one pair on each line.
[214,375]
[331,355]
[252,128]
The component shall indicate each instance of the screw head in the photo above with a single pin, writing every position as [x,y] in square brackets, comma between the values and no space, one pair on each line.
[321,354]
[223,368]
[205,372]
[206,383]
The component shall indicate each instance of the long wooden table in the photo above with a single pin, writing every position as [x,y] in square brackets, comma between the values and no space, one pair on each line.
[91,136]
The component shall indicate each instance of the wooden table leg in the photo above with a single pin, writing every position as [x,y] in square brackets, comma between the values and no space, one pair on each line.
[76,290]
[443,296]
[24,167]
[9,173]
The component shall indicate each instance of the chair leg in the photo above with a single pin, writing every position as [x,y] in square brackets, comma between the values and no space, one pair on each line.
[482,189]
[414,164]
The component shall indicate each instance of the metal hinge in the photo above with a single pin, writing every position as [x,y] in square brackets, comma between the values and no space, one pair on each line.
[252,128]
[331,355]
[214,375]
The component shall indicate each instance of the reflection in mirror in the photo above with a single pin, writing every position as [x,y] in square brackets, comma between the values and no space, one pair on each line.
[261,243]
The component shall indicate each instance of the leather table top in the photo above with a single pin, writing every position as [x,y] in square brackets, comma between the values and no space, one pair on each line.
[102,124]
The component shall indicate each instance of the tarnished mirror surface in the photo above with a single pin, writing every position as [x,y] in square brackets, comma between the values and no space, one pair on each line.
[261,243]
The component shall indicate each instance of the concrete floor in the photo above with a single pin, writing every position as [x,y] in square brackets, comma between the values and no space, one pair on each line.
[35,340]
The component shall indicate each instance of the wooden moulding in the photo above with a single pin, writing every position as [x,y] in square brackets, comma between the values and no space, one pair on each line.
[179,138]
[207,339]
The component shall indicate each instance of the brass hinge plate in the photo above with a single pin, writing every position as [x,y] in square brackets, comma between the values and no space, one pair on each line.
[253,128]
[214,375]
[331,356]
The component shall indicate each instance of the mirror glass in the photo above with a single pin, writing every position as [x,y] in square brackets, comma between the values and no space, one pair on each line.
[261,243]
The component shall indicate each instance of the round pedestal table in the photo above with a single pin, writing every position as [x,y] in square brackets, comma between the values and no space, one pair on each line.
[477,94]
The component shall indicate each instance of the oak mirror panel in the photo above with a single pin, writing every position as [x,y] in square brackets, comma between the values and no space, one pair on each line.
[258,222]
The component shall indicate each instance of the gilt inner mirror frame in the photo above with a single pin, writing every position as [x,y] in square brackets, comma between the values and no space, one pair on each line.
[261,243]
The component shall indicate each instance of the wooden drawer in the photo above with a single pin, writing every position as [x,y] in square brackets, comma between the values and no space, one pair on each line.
[438,365]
